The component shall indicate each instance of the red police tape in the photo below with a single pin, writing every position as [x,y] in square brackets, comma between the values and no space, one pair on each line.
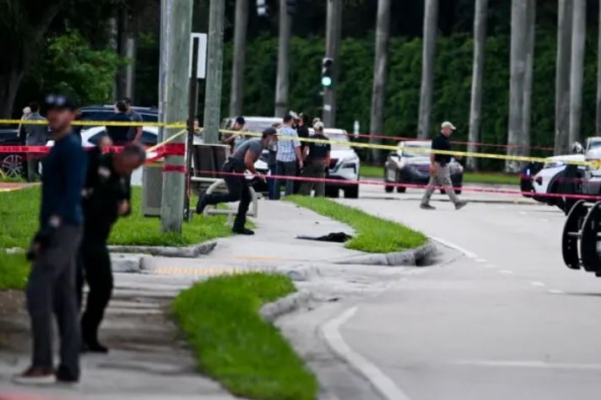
[473,189]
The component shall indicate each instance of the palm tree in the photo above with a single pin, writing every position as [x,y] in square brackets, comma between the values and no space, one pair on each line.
[283,74]
[598,127]
[380,75]
[517,82]
[562,79]
[480,18]
[577,67]
[530,44]
[429,49]
[239,62]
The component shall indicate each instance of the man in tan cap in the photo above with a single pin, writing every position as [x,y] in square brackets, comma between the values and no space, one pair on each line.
[439,169]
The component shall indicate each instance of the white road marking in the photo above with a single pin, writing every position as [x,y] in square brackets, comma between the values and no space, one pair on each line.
[480,260]
[491,266]
[506,272]
[555,291]
[453,246]
[383,384]
[522,212]
[538,284]
[529,364]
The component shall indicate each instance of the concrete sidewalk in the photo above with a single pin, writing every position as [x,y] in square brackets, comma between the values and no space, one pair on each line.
[148,359]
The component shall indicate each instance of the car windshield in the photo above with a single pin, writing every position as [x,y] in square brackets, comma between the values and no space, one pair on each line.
[339,142]
[594,144]
[416,149]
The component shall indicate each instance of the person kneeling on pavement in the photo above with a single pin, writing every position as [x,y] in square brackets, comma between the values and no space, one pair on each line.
[243,159]
[317,161]
[106,198]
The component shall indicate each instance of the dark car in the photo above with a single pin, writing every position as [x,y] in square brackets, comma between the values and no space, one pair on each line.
[410,164]
[10,163]
[103,113]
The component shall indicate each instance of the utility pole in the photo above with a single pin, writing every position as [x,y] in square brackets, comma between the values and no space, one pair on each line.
[334,29]
[562,78]
[240,31]
[429,50]
[176,20]
[283,78]
[212,114]
[380,76]
[530,40]
[577,68]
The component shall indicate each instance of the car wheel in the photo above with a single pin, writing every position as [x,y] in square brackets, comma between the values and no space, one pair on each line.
[12,166]
[333,193]
[351,192]
[401,189]
[457,191]
[388,189]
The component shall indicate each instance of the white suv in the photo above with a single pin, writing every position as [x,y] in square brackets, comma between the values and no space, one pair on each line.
[344,165]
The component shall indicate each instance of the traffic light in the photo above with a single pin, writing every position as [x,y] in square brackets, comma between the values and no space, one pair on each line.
[327,72]
[291,7]
[261,8]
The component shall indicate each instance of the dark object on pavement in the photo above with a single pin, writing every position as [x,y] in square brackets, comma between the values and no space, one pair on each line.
[339,237]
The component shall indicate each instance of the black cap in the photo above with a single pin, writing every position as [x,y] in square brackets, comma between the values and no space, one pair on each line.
[240,121]
[60,102]
[269,132]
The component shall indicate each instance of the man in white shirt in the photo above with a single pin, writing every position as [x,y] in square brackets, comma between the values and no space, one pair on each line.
[288,156]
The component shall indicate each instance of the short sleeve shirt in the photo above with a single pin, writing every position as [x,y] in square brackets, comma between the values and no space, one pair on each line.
[441,142]
[254,145]
[319,150]
[287,144]
[118,134]
[135,117]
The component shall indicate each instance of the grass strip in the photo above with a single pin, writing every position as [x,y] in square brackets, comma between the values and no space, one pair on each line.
[14,271]
[233,344]
[373,234]
[19,212]
[488,178]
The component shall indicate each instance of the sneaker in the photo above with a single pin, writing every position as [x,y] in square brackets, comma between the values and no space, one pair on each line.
[63,375]
[460,205]
[202,204]
[243,231]
[427,207]
[36,376]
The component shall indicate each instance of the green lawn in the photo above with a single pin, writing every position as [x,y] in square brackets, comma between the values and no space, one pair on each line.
[19,215]
[235,346]
[373,234]
[491,178]
[14,271]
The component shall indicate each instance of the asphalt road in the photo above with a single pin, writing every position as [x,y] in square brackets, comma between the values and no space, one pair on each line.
[504,319]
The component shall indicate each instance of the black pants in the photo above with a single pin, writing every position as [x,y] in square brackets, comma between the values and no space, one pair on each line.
[95,268]
[238,190]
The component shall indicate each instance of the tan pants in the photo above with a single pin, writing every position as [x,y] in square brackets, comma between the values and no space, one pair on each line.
[442,177]
[314,170]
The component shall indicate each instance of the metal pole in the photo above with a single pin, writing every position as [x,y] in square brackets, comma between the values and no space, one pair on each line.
[178,26]
[192,107]
[283,78]
[334,27]
[212,113]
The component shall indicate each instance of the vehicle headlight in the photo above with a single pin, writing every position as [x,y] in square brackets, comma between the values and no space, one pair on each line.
[349,162]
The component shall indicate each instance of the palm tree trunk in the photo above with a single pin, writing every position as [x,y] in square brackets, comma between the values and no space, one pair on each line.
[517,83]
[480,19]
[529,77]
[239,61]
[577,68]
[380,76]
[333,36]
[598,127]
[283,74]
[562,79]
[429,50]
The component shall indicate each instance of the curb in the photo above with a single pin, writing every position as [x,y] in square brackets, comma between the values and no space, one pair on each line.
[183,252]
[272,311]
[408,258]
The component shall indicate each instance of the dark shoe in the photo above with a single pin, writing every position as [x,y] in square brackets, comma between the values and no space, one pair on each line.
[36,376]
[202,204]
[63,375]
[426,207]
[460,205]
[94,348]
[243,231]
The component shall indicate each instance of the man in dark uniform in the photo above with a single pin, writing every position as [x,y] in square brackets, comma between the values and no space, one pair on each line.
[317,162]
[106,198]
[302,129]
[119,134]
[51,285]
[243,159]
[439,169]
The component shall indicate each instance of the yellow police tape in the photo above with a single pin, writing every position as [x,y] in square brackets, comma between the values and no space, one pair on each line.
[179,125]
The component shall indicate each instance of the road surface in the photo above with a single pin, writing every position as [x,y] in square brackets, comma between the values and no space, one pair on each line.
[502,320]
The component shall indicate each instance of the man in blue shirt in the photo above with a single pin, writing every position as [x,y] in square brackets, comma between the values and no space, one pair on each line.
[51,286]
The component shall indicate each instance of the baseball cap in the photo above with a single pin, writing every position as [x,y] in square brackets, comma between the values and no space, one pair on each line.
[60,102]
[449,125]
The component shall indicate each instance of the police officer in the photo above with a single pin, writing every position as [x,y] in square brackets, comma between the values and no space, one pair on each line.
[243,159]
[106,198]
[439,169]
[317,161]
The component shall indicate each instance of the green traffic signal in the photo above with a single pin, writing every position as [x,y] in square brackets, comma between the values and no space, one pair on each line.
[326,81]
